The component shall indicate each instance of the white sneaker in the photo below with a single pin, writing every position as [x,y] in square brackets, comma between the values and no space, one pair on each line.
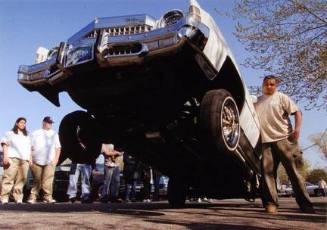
[199,200]
[49,201]
[18,201]
[4,201]
[31,201]
[205,199]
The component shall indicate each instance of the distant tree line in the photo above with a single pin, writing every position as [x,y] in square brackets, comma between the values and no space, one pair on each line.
[312,176]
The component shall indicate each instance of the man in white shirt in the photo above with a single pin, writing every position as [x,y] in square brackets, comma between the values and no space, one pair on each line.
[45,155]
[280,144]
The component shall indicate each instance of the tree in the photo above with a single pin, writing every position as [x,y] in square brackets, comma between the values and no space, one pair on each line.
[315,175]
[320,139]
[282,175]
[287,38]
[303,170]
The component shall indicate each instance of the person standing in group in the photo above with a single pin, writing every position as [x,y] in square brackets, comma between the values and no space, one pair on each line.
[147,178]
[45,154]
[280,144]
[83,170]
[16,159]
[111,183]
[131,175]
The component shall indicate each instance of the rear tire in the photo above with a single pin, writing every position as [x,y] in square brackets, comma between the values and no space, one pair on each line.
[219,118]
[79,137]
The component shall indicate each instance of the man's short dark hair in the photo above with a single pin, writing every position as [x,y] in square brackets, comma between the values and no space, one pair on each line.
[272,77]
[48,119]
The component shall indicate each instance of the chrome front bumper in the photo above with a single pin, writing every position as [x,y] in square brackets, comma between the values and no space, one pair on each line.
[104,49]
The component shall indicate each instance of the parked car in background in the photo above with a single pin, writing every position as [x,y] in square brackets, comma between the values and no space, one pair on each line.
[163,186]
[285,190]
[289,191]
[312,189]
[61,182]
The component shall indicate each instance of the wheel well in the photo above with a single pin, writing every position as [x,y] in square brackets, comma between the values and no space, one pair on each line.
[229,78]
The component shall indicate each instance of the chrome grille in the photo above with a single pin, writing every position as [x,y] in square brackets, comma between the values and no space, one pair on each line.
[126,49]
[117,31]
[93,34]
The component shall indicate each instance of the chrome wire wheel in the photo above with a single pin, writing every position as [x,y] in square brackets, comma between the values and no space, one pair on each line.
[230,123]
[219,119]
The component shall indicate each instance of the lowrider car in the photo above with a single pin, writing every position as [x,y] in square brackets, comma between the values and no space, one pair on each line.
[167,90]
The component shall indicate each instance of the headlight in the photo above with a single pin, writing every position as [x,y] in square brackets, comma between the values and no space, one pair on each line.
[185,31]
[22,76]
[53,53]
[28,74]
[171,17]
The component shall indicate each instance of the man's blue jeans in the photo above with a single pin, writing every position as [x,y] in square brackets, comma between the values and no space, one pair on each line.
[130,190]
[83,170]
[111,183]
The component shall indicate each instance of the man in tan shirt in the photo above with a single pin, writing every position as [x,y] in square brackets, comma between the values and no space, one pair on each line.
[280,144]
[111,181]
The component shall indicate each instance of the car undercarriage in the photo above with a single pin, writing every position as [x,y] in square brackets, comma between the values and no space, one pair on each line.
[167,91]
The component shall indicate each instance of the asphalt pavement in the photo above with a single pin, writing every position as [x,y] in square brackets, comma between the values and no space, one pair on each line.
[220,214]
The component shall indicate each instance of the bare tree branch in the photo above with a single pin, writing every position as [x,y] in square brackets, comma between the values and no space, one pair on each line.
[288,38]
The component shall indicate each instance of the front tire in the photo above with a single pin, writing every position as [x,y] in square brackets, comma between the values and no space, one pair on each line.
[79,137]
[219,119]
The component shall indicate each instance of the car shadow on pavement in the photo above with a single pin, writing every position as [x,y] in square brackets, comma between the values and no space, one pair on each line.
[96,206]
[209,226]
[153,212]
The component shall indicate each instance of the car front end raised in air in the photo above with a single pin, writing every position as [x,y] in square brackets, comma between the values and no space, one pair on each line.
[116,41]
[162,87]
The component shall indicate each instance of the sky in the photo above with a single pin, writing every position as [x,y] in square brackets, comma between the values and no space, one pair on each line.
[27,24]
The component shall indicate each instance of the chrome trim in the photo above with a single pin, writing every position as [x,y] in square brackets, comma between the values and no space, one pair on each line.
[125,49]
[37,71]
[230,123]
[109,39]
[127,30]
[113,22]
[79,53]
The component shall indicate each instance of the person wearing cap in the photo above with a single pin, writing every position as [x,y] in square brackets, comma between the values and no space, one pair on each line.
[45,155]
[280,144]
